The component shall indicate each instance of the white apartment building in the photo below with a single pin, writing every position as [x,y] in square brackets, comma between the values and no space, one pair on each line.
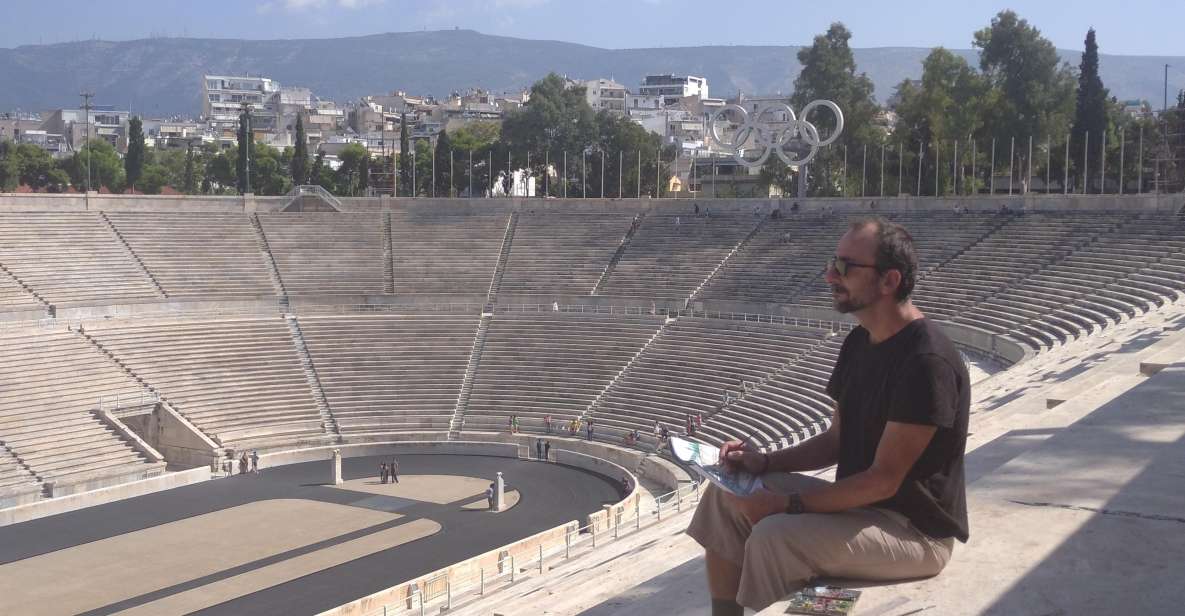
[673,87]
[223,98]
[105,122]
[605,94]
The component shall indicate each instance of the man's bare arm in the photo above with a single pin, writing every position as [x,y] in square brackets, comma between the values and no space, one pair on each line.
[900,447]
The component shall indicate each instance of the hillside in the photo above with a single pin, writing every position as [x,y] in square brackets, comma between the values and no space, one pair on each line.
[162,76]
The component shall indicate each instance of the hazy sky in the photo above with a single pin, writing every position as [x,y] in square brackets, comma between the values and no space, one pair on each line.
[1144,27]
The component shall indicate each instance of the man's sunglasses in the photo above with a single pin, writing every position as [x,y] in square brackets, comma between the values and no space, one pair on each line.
[841,265]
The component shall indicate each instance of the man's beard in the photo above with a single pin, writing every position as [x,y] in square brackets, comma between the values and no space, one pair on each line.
[848,304]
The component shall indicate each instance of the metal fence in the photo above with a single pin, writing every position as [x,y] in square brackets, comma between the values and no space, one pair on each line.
[443,592]
[1146,158]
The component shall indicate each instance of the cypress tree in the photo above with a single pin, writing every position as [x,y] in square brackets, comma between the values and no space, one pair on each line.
[300,155]
[404,155]
[241,164]
[133,163]
[1090,114]
[444,148]
[190,185]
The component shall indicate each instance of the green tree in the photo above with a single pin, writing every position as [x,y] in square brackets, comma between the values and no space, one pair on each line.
[244,149]
[9,176]
[154,178]
[106,169]
[620,135]
[423,159]
[351,175]
[221,172]
[442,154]
[556,119]
[829,73]
[475,140]
[269,171]
[775,173]
[948,105]
[405,157]
[1090,112]
[300,155]
[1036,91]
[189,183]
[321,175]
[133,161]
[31,166]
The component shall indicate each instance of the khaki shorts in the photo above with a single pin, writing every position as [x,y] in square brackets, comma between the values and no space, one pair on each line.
[782,552]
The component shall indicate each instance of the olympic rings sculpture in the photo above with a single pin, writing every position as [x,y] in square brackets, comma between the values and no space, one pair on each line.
[773,138]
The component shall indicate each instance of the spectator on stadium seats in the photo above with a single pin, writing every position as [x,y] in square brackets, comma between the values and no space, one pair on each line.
[547,423]
[896,509]
[590,428]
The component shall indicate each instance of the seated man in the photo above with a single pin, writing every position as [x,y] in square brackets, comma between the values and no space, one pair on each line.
[898,434]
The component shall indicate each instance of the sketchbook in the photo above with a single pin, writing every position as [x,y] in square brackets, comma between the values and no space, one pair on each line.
[705,461]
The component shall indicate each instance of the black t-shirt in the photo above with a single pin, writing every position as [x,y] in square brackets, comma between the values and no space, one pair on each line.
[916,377]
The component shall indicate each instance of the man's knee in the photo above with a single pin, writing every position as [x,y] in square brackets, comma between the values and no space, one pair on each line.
[785,537]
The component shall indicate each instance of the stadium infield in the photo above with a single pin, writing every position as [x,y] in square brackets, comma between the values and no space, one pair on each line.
[280,541]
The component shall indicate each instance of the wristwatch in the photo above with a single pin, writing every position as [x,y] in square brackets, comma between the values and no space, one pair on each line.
[794,505]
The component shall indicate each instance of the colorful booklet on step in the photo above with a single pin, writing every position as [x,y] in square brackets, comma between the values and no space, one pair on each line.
[823,601]
[705,460]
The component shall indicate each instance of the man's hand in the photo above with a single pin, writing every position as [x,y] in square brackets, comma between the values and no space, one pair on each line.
[739,455]
[760,504]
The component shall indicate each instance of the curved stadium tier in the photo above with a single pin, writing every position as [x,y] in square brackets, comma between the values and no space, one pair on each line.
[277,330]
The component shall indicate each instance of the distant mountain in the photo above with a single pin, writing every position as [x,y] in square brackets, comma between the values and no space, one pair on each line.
[163,76]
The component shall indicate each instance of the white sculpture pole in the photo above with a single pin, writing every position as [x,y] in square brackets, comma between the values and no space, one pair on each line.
[499,489]
[337,467]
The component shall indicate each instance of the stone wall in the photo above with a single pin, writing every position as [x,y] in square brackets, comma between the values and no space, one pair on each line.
[90,498]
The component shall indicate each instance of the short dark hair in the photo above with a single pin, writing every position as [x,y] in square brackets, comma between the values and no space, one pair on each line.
[894,251]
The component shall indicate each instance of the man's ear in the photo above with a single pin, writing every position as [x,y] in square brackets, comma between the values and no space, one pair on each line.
[890,280]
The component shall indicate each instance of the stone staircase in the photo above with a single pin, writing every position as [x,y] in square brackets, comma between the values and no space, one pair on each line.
[272,270]
[127,248]
[592,407]
[310,374]
[4,271]
[155,395]
[720,266]
[388,256]
[503,256]
[479,342]
[20,463]
[621,248]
